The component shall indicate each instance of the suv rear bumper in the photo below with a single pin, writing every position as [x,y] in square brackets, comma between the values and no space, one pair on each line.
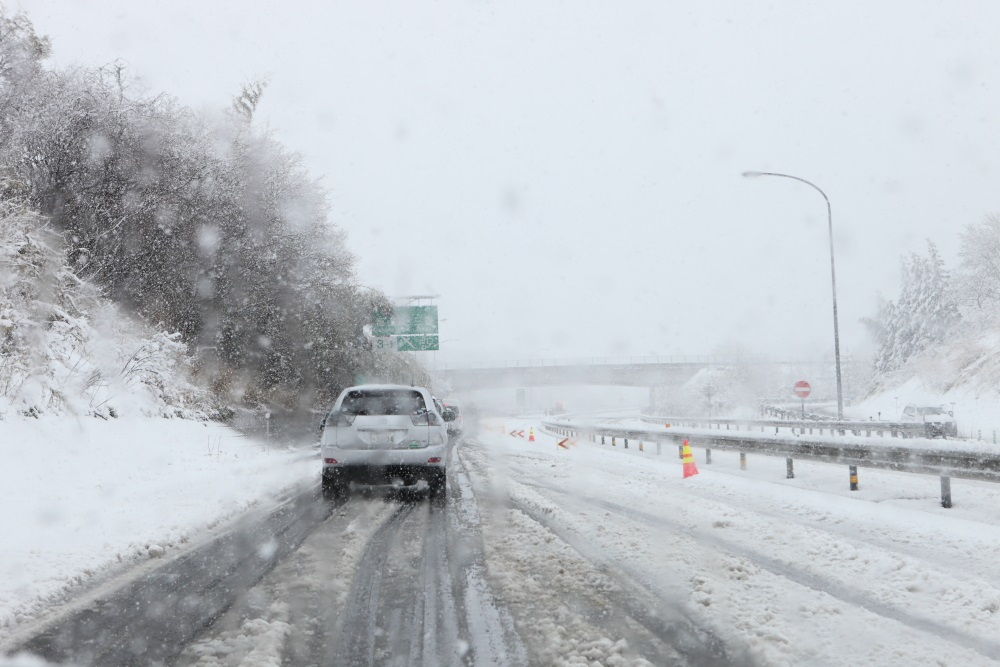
[383,474]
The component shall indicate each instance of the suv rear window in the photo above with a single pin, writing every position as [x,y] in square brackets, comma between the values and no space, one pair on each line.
[383,402]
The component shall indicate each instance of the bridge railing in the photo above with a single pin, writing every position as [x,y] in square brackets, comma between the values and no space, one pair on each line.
[708,360]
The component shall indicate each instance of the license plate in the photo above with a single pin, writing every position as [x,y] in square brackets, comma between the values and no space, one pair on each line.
[380,438]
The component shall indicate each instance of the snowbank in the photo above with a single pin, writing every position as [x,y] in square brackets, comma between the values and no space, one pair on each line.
[82,497]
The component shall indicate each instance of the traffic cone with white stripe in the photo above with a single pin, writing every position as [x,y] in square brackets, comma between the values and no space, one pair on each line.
[689,467]
[531,434]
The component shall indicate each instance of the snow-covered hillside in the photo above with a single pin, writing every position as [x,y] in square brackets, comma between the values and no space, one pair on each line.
[66,349]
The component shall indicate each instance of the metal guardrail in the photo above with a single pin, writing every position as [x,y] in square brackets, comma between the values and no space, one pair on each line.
[946,458]
[799,426]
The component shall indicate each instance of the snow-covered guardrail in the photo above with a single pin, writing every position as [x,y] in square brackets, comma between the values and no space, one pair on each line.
[945,458]
[799,426]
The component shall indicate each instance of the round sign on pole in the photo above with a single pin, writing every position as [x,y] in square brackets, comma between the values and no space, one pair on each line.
[802,388]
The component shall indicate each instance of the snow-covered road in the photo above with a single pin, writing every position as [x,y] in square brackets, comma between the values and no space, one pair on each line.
[798,571]
[598,555]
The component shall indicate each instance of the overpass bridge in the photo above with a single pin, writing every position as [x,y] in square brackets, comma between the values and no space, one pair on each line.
[662,376]
[624,372]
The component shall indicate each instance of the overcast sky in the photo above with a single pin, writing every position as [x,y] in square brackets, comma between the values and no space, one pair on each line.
[566,175]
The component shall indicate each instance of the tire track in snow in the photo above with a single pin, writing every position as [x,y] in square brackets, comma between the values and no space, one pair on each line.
[420,595]
[807,579]
[360,628]
[816,515]
[489,627]
[677,639]
[151,619]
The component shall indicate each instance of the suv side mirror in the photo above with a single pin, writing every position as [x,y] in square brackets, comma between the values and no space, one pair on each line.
[448,415]
[322,426]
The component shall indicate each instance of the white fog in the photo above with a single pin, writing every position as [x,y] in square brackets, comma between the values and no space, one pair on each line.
[480,333]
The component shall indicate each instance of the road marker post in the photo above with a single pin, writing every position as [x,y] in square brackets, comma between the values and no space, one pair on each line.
[945,491]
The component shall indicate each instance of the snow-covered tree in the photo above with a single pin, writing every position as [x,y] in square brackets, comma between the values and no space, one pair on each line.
[925,313]
[979,272]
[206,225]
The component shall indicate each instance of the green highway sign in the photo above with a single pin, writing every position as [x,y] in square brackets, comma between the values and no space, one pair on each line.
[384,342]
[416,343]
[407,321]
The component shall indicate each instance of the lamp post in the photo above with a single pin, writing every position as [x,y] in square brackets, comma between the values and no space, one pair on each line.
[833,278]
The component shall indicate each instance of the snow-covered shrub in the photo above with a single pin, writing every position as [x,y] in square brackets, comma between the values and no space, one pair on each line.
[64,347]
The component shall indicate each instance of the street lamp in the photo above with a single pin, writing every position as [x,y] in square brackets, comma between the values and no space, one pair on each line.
[833,278]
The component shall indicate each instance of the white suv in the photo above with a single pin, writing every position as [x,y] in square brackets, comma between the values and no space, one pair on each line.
[376,434]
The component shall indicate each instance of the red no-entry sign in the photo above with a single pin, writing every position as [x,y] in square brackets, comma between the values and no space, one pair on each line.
[802,388]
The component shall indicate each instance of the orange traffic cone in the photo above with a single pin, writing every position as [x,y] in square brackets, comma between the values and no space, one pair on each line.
[689,467]
[531,434]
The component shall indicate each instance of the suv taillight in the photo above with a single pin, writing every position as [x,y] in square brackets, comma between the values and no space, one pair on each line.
[428,418]
[340,419]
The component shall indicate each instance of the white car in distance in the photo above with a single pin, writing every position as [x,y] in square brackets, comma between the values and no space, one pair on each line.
[381,434]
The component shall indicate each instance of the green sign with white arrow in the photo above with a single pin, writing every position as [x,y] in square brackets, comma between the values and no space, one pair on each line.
[416,343]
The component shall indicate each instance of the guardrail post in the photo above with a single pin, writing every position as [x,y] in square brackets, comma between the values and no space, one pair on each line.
[789,469]
[708,456]
[613,441]
[743,460]
[853,472]
[602,439]
[640,445]
[680,452]
[945,491]
[626,442]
